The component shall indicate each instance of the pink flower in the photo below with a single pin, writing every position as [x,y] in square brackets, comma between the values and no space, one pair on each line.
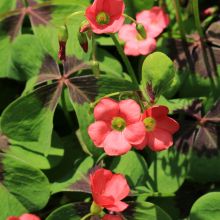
[135,44]
[111,217]
[109,189]
[24,217]
[105,16]
[159,128]
[117,126]
[154,20]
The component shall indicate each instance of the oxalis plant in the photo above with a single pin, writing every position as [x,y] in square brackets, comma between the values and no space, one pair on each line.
[109,110]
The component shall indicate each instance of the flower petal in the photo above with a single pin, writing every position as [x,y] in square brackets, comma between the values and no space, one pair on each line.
[135,133]
[98,132]
[115,144]
[98,180]
[118,206]
[147,46]
[106,109]
[130,111]
[117,187]
[127,32]
[131,48]
[160,140]
[143,144]
[168,124]
[29,217]
[156,112]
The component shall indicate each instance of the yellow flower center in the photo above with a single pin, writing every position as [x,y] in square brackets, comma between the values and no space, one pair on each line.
[102,18]
[149,123]
[118,123]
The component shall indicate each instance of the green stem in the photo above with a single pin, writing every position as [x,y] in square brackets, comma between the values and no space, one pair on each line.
[86,216]
[101,158]
[195,5]
[106,96]
[155,172]
[182,33]
[125,60]
[158,194]
[95,63]
[130,18]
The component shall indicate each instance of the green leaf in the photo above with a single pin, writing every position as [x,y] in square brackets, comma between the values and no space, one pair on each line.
[157,74]
[73,211]
[9,205]
[145,211]
[204,169]
[85,118]
[39,160]
[171,168]
[206,207]
[134,6]
[78,172]
[28,121]
[109,63]
[28,184]
[133,166]
[16,58]
[175,104]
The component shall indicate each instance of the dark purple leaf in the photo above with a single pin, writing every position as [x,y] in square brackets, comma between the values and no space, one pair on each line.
[202,58]
[49,70]
[83,89]
[39,13]
[12,24]
[82,185]
[72,65]
[213,33]
[214,114]
[19,4]
[201,133]
[207,139]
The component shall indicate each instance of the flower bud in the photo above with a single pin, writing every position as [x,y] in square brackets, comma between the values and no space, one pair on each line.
[63,33]
[83,41]
[141,30]
[63,37]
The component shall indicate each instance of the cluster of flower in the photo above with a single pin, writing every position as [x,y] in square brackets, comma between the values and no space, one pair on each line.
[121,125]
[106,16]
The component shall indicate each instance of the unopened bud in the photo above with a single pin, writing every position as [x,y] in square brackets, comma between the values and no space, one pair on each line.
[141,30]
[83,41]
[210,10]
[63,33]
[85,26]
[62,51]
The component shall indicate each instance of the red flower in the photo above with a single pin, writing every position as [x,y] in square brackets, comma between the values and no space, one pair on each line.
[117,126]
[135,44]
[159,128]
[24,217]
[154,20]
[111,217]
[109,189]
[106,16]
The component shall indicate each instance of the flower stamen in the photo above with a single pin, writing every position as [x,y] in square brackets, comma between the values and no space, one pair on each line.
[149,123]
[102,18]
